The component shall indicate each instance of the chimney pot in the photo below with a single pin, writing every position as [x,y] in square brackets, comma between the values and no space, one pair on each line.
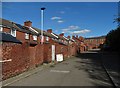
[81,38]
[69,37]
[28,23]
[73,37]
[62,34]
[49,30]
[76,36]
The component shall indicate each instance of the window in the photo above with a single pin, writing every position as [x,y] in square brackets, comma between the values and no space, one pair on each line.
[34,37]
[26,36]
[47,38]
[53,39]
[13,32]
[1,28]
[96,40]
[42,38]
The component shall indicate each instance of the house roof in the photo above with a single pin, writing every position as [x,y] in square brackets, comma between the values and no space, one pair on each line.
[30,30]
[18,27]
[44,32]
[99,37]
[72,40]
[61,37]
[48,34]
[60,42]
[5,37]
[5,23]
[55,35]
[66,38]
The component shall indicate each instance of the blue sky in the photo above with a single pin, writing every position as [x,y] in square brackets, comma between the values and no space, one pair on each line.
[85,19]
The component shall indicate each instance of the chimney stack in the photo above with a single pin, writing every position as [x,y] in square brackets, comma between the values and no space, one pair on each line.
[81,38]
[62,34]
[76,36]
[73,37]
[68,37]
[49,30]
[28,23]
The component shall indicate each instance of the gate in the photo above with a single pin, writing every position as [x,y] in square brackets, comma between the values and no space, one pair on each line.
[53,52]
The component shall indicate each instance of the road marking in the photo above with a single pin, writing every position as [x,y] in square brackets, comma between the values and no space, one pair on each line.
[59,71]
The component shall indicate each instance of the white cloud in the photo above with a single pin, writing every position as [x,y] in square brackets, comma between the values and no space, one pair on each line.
[70,28]
[60,21]
[56,18]
[75,30]
[81,31]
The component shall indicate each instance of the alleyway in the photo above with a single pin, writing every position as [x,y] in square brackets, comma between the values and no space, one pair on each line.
[84,70]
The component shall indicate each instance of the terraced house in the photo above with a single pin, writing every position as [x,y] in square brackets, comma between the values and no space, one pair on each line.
[94,42]
[23,47]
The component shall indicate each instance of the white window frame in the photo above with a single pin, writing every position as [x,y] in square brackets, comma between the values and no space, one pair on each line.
[13,33]
[35,37]
[1,28]
[47,38]
[42,38]
[26,36]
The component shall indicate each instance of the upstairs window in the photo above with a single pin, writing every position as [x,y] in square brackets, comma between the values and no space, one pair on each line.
[60,40]
[42,38]
[13,32]
[1,28]
[35,37]
[53,39]
[47,38]
[26,36]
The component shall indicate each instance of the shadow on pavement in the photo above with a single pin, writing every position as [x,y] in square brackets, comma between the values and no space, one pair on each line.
[90,62]
[111,61]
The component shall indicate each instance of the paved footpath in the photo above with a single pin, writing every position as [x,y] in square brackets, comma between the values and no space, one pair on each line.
[111,62]
[84,70]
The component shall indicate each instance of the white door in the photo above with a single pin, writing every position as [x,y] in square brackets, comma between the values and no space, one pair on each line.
[53,52]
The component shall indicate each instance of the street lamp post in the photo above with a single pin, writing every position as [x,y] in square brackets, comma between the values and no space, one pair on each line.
[42,24]
[119,14]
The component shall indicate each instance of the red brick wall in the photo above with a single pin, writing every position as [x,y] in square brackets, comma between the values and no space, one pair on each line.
[73,49]
[47,53]
[62,49]
[82,49]
[38,39]
[58,48]
[39,54]
[65,51]
[20,59]
[23,57]
[32,50]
